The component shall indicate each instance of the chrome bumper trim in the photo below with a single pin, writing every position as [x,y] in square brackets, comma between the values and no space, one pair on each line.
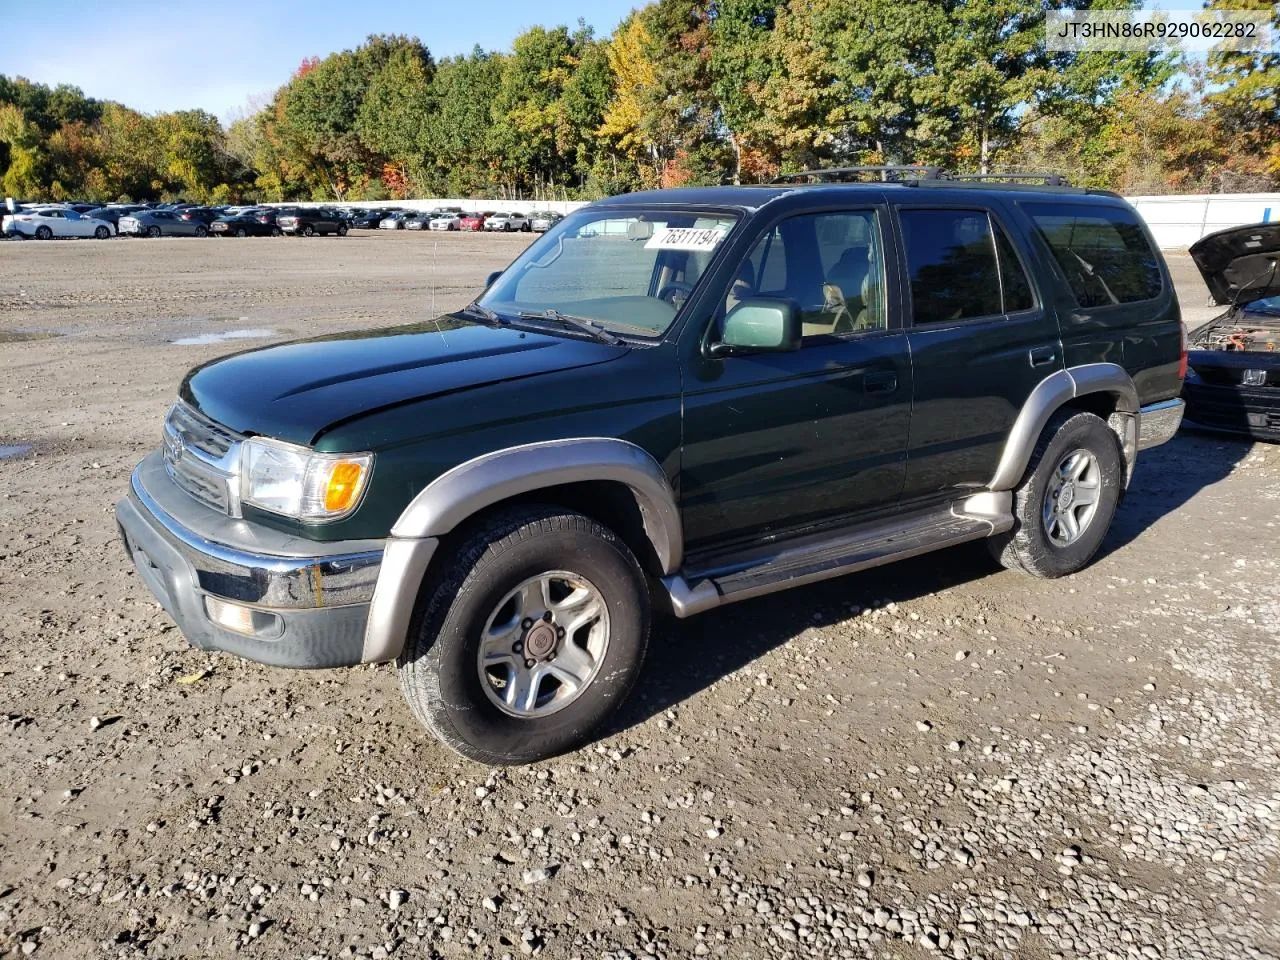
[1158,422]
[265,580]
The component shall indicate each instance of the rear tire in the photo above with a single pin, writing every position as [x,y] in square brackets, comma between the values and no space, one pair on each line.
[276,232]
[308,231]
[1064,506]
[202,231]
[342,229]
[43,233]
[241,232]
[480,593]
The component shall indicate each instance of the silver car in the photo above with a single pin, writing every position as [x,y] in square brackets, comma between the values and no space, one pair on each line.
[543,220]
[161,223]
[506,222]
[446,221]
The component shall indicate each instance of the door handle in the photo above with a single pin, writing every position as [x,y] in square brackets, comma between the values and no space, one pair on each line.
[885,381]
[1042,356]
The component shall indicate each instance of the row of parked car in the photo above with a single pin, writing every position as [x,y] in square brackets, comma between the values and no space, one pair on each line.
[48,221]
[455,218]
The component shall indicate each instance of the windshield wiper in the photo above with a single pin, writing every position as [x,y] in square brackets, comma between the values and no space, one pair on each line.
[589,327]
[478,310]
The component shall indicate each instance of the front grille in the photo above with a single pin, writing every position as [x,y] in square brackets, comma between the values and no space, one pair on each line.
[199,432]
[202,458]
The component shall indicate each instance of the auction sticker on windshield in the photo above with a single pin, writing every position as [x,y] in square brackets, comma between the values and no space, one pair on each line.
[685,238]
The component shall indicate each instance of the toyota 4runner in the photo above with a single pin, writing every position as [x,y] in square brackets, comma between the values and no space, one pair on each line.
[674,400]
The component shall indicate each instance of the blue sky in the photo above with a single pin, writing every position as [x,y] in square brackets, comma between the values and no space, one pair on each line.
[180,54]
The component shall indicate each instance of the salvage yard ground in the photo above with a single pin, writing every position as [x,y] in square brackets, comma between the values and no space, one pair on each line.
[939,758]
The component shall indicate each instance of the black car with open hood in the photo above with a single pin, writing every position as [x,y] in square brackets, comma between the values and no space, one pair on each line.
[1233,380]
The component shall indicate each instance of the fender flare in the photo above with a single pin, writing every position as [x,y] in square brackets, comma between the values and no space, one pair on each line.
[489,479]
[476,484]
[1049,396]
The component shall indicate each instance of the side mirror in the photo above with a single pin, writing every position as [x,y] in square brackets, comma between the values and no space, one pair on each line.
[489,281]
[760,325]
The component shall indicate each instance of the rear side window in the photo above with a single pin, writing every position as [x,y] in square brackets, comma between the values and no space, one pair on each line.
[1102,252]
[961,266]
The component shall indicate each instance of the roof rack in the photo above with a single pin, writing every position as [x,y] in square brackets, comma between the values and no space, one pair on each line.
[891,173]
[1048,179]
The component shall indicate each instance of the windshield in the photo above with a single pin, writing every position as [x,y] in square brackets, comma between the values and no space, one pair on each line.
[628,271]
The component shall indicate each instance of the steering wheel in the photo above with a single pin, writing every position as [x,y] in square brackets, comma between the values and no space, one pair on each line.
[670,290]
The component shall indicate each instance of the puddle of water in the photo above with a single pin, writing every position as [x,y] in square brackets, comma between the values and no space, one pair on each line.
[205,338]
[22,336]
[9,451]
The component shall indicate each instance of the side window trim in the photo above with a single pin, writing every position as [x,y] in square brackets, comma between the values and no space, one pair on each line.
[1037,302]
[995,252]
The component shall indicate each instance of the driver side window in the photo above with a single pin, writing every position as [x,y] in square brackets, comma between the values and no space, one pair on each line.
[831,265]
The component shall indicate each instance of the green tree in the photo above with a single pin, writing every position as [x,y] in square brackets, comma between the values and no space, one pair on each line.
[393,116]
[464,91]
[1245,99]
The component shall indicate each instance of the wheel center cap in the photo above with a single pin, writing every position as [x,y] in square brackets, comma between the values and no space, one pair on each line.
[1067,496]
[540,640]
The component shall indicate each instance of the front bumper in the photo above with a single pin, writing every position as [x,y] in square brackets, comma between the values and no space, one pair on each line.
[314,598]
[1233,408]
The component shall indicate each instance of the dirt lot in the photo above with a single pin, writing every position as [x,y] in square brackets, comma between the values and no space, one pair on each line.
[933,759]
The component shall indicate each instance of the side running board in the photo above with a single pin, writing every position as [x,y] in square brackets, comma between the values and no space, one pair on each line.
[792,563]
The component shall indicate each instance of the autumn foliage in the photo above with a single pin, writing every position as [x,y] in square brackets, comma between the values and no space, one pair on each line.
[683,92]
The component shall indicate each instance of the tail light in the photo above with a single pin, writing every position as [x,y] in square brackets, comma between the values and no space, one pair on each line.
[186,216]
[1182,361]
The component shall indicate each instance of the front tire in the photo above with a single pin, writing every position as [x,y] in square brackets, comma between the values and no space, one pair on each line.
[308,231]
[153,232]
[1067,499]
[342,230]
[202,231]
[102,233]
[529,639]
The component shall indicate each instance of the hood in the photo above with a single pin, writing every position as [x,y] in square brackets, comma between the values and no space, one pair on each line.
[295,391]
[1243,263]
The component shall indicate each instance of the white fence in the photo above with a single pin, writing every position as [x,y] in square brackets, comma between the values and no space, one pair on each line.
[1181,221]
[498,206]
[1174,221]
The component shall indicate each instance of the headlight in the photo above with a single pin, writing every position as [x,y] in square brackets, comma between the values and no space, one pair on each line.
[298,482]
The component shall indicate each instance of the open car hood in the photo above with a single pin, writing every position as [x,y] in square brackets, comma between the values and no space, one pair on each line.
[1242,262]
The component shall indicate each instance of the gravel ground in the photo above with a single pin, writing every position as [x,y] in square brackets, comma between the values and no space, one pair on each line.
[938,758]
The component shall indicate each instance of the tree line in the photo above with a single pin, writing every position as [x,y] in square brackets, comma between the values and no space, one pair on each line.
[683,92]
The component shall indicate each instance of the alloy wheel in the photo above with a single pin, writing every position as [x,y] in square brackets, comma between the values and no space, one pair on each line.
[1071,498]
[543,644]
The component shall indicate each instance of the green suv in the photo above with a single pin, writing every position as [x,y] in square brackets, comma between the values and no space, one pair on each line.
[672,400]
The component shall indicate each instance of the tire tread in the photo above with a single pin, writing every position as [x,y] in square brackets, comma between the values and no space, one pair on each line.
[477,549]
